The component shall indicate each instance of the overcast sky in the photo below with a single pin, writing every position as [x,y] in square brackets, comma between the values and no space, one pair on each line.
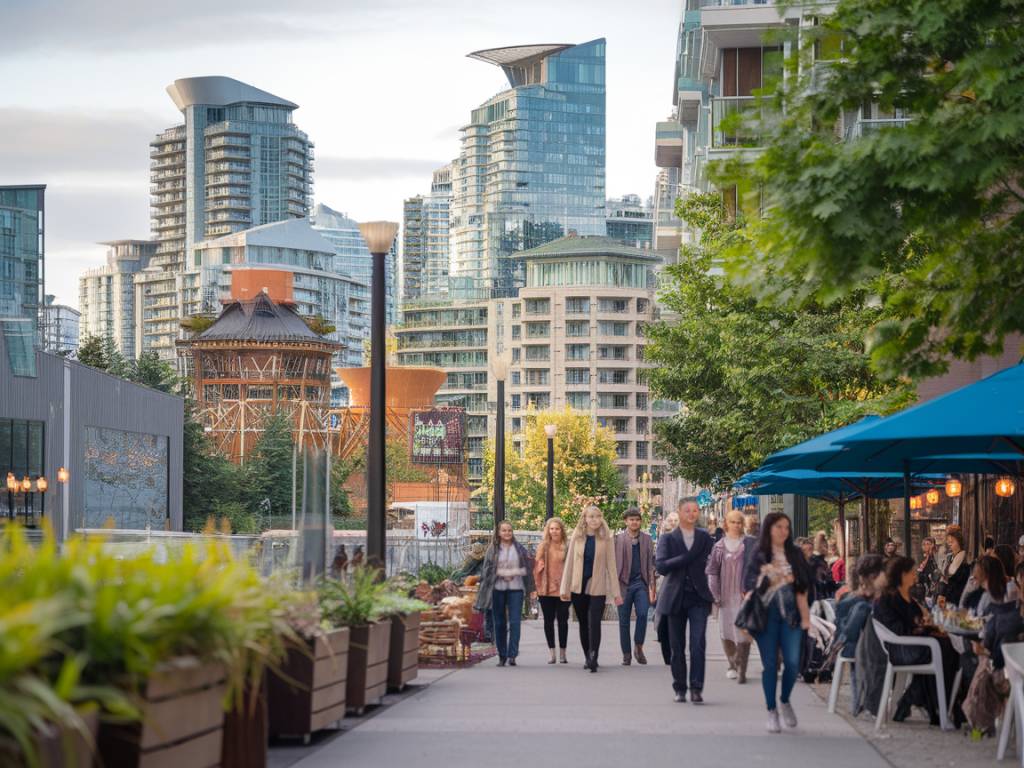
[382,87]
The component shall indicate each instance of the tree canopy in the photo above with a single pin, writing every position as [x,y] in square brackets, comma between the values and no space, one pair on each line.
[584,470]
[753,376]
[929,210]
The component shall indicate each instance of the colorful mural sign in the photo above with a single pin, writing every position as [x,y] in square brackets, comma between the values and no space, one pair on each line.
[436,437]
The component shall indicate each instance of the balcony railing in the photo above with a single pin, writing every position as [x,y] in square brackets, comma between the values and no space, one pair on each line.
[730,117]
[864,127]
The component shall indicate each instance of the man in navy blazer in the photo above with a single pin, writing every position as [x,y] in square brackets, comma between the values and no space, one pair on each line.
[685,598]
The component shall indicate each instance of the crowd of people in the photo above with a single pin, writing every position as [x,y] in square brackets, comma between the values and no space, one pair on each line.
[764,585]
[684,576]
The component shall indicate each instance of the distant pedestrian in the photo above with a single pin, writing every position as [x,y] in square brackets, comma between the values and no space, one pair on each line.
[890,549]
[339,565]
[634,555]
[725,580]
[506,577]
[682,558]
[787,578]
[590,578]
[549,563]
[669,524]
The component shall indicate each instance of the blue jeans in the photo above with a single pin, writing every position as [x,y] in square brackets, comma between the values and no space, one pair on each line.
[639,596]
[779,635]
[506,629]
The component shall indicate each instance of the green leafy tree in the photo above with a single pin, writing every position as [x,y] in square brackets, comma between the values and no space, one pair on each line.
[320,325]
[930,215]
[209,479]
[584,470]
[268,469]
[151,371]
[101,353]
[753,376]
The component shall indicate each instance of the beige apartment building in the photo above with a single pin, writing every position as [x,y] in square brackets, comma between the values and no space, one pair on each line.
[575,337]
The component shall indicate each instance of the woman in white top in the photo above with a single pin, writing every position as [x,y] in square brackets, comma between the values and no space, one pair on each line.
[506,577]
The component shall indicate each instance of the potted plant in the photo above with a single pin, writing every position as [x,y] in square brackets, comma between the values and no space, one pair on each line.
[359,604]
[308,692]
[404,653]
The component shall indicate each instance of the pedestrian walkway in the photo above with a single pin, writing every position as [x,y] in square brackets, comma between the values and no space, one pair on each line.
[536,716]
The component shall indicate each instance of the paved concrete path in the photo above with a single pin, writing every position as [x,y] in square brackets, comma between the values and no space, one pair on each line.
[536,715]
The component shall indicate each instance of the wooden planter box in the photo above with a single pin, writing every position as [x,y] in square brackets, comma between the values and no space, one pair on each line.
[182,720]
[246,731]
[309,694]
[404,658]
[368,665]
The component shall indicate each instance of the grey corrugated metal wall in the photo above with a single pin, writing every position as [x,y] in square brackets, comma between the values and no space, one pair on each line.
[96,400]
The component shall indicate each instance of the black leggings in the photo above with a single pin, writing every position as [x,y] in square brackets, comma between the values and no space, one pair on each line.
[553,607]
[589,612]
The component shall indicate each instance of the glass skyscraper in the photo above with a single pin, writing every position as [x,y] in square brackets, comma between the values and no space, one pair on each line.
[237,162]
[352,257]
[425,246]
[22,255]
[532,164]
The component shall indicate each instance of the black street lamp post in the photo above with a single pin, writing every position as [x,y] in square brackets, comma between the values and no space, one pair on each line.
[379,237]
[550,430]
[499,367]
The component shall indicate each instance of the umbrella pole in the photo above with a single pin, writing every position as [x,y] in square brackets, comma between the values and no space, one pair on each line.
[865,538]
[842,525]
[977,516]
[906,508]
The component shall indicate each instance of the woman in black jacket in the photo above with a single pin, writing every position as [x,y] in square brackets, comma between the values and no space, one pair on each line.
[902,615]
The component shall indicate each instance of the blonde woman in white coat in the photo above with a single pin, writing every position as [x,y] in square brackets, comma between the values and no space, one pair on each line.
[591,576]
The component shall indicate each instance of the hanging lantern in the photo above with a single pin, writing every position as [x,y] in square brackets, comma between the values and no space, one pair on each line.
[62,475]
[932,496]
[953,487]
[26,484]
[1005,487]
[915,502]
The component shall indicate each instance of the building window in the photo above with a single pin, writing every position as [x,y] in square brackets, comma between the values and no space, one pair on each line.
[642,305]
[578,400]
[517,424]
[620,425]
[538,353]
[21,452]
[539,400]
[231,391]
[577,305]
[613,376]
[577,328]
[641,425]
[641,401]
[613,305]
[313,393]
[516,378]
[538,306]
[577,352]
[538,330]
[515,355]
[253,392]
[622,449]
[641,450]
[517,402]
[516,310]
[577,375]
[613,328]
[517,331]
[538,377]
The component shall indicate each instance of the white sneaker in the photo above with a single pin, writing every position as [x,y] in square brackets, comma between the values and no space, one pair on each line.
[773,721]
[788,715]
[731,674]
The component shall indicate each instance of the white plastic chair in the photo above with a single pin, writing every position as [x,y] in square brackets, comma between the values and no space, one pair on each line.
[1013,655]
[897,675]
[837,680]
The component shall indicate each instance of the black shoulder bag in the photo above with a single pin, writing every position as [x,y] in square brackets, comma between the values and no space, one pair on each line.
[752,616]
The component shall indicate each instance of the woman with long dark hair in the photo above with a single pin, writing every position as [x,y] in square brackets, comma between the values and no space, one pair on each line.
[507,576]
[902,615]
[781,577]
[956,569]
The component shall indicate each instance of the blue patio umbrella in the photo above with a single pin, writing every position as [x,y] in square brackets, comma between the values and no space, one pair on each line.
[810,453]
[983,418]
